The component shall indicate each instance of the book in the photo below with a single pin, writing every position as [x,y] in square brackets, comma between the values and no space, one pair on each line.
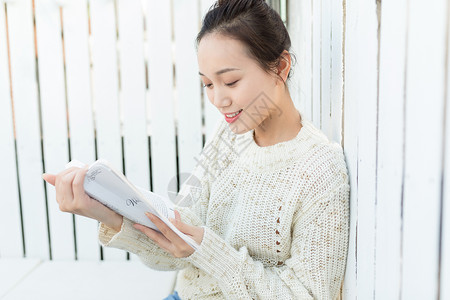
[110,187]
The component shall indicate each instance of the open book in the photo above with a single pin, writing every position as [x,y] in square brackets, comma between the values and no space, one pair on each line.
[114,190]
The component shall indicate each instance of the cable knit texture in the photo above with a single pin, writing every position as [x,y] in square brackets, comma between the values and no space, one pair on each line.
[275,219]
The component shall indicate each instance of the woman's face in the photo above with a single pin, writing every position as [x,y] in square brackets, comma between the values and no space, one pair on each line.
[234,81]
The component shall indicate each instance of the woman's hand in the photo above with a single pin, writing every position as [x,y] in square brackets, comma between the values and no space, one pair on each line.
[168,239]
[72,198]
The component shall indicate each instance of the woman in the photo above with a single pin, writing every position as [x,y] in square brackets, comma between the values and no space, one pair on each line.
[271,214]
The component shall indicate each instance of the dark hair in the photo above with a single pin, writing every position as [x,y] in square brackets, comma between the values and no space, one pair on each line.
[253,22]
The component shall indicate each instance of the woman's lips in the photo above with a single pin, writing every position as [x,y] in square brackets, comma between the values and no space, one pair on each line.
[231,120]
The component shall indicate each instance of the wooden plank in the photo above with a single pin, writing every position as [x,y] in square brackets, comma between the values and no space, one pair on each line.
[81,122]
[132,79]
[188,90]
[337,67]
[299,27]
[14,270]
[366,58]
[24,86]
[294,30]
[445,237]
[316,63]
[11,245]
[158,20]
[93,280]
[133,92]
[210,112]
[390,150]
[54,121]
[423,148]
[351,142]
[325,69]
[105,91]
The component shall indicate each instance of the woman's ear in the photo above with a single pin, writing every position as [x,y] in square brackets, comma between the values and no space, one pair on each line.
[284,65]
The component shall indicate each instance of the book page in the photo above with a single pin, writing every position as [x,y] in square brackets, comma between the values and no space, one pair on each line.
[165,209]
[112,188]
[103,185]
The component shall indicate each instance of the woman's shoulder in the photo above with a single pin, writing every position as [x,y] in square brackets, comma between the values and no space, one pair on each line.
[323,151]
[323,165]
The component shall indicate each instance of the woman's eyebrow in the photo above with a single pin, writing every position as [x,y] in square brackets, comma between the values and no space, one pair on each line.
[221,71]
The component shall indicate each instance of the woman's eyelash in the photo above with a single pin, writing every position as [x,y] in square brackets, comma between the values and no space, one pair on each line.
[228,84]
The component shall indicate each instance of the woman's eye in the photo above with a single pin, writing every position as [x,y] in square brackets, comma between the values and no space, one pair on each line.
[227,84]
[230,84]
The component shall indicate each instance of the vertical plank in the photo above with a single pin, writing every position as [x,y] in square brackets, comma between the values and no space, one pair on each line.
[29,155]
[299,27]
[133,89]
[325,69]
[132,78]
[423,145]
[79,100]
[105,91]
[294,30]
[160,71]
[390,150]
[316,63]
[367,52]
[351,141]
[11,245]
[445,237]
[188,93]
[54,121]
[336,109]
[211,113]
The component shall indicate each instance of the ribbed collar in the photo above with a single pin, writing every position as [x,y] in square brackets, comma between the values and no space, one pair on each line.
[274,157]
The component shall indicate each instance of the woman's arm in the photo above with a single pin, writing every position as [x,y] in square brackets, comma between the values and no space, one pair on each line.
[133,240]
[314,270]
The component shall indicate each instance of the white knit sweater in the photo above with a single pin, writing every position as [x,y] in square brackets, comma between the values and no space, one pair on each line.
[275,219]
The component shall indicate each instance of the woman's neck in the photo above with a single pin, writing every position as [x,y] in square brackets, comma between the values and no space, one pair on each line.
[279,127]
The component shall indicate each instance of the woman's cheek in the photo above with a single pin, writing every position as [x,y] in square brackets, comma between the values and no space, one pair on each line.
[210,95]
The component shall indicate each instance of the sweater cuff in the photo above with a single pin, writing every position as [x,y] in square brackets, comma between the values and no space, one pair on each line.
[128,238]
[217,258]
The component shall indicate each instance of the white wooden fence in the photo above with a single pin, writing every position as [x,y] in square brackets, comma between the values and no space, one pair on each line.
[119,80]
[374,76]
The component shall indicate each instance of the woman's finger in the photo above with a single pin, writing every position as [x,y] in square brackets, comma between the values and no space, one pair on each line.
[61,174]
[177,216]
[156,236]
[183,227]
[78,183]
[50,178]
[166,231]
[66,187]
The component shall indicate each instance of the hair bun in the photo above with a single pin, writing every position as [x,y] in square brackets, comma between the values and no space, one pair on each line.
[248,2]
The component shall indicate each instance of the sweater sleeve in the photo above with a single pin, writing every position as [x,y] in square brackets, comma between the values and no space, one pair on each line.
[314,269]
[133,240]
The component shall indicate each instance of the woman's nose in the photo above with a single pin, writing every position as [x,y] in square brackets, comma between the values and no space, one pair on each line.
[221,99]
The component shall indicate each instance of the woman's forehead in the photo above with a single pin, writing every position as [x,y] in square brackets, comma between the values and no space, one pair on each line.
[216,52]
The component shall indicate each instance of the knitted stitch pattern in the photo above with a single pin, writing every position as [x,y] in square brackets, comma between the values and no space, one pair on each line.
[276,220]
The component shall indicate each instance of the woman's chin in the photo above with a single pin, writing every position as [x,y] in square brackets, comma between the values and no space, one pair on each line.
[239,129]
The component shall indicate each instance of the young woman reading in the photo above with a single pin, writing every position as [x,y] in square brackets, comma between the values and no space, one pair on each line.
[271,214]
